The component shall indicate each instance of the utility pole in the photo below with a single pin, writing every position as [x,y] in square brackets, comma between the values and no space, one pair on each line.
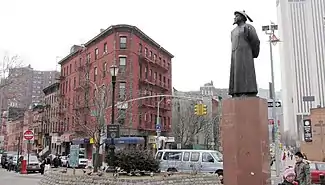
[158,124]
[269,30]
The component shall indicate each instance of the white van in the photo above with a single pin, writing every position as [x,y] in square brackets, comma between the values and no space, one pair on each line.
[178,160]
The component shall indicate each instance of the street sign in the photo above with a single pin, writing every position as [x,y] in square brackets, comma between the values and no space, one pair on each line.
[113,131]
[277,104]
[307,131]
[74,156]
[28,135]
[158,127]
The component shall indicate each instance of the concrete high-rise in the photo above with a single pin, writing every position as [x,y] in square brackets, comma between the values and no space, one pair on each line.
[301,31]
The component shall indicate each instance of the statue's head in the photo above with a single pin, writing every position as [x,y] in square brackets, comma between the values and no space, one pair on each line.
[241,17]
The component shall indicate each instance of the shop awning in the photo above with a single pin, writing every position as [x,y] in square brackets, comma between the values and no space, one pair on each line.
[126,140]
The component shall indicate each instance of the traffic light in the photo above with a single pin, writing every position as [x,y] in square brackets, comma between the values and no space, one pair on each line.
[197,109]
[204,109]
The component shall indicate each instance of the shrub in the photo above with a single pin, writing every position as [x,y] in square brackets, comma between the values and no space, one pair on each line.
[134,159]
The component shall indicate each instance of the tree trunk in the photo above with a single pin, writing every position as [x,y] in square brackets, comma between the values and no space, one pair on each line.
[96,163]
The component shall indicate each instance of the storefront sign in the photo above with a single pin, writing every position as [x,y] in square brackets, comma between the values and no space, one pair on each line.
[308,131]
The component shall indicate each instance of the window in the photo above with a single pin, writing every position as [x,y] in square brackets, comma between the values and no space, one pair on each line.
[88,57]
[186,156]
[122,90]
[154,57]
[173,156]
[150,72]
[206,157]
[123,42]
[140,48]
[105,47]
[70,68]
[146,52]
[195,156]
[96,53]
[104,69]
[75,65]
[312,166]
[122,64]
[159,155]
[146,72]
[155,76]
[150,54]
[95,74]
[74,82]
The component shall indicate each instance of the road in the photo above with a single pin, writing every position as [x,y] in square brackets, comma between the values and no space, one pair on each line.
[12,178]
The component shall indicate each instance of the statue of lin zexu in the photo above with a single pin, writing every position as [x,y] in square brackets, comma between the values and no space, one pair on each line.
[245,47]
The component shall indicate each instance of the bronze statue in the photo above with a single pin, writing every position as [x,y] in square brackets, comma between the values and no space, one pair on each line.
[245,47]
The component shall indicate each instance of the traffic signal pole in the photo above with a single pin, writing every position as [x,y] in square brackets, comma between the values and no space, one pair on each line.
[158,123]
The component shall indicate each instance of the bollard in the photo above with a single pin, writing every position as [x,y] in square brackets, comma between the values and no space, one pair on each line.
[322,179]
[23,167]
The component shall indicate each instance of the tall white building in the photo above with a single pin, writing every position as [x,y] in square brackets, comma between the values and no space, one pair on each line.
[301,30]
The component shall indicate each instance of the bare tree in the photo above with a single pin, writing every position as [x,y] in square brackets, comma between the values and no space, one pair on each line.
[187,125]
[7,65]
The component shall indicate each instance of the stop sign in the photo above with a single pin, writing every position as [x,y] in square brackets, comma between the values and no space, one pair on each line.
[28,135]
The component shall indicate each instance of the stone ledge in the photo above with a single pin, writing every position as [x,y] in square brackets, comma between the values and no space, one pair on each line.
[58,178]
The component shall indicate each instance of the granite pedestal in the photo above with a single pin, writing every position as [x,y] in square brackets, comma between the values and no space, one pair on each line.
[245,141]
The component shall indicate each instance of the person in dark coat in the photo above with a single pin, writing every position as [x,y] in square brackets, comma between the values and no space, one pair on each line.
[56,162]
[43,166]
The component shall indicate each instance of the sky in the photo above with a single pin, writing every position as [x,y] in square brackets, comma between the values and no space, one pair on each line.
[196,32]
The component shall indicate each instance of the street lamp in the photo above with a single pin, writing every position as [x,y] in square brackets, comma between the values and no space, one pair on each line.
[269,30]
[114,71]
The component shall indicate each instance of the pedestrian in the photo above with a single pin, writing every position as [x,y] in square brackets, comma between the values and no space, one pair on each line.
[10,163]
[302,170]
[289,177]
[42,166]
[291,156]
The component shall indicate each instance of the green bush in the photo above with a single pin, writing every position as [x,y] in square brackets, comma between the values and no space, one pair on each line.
[134,159]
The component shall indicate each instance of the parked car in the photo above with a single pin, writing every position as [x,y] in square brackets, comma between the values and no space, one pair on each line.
[33,165]
[317,169]
[205,161]
[6,160]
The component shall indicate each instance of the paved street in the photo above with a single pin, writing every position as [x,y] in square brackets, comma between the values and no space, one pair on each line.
[11,178]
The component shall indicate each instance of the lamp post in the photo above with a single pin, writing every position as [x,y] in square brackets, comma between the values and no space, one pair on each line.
[158,124]
[269,30]
[114,71]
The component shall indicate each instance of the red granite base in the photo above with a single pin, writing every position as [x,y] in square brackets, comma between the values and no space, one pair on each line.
[245,141]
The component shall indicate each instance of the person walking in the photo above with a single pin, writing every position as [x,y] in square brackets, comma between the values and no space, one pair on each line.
[302,170]
[10,163]
[42,166]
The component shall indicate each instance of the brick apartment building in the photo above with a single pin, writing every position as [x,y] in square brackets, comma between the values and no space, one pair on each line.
[144,69]
[25,87]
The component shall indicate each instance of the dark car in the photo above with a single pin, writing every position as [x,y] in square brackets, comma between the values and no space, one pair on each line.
[3,160]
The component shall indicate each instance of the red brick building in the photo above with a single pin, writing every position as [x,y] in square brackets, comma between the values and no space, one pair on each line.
[144,69]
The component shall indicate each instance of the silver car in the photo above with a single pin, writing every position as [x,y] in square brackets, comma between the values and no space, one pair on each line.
[205,161]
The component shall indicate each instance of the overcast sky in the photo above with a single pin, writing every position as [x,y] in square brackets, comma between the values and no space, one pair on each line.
[197,32]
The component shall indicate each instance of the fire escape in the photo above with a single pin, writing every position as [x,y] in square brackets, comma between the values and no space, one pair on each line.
[81,99]
[149,83]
